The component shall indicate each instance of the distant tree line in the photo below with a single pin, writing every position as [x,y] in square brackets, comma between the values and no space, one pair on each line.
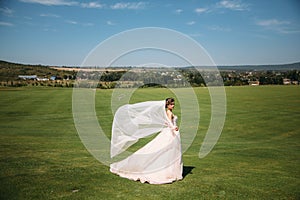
[269,77]
[139,77]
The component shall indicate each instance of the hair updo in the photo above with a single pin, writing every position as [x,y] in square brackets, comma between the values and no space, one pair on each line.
[169,101]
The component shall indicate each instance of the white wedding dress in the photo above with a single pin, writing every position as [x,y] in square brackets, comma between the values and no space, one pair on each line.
[157,162]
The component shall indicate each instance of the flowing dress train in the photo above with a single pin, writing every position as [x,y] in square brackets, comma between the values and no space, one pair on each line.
[158,162]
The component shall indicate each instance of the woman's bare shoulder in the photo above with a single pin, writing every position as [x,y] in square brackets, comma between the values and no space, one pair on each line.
[169,114]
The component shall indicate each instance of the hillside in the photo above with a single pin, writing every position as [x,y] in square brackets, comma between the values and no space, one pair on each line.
[14,74]
[10,71]
[279,67]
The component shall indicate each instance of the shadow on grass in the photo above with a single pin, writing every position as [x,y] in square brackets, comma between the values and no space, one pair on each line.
[187,170]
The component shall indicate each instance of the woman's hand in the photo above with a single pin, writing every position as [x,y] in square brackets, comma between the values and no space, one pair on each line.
[176,128]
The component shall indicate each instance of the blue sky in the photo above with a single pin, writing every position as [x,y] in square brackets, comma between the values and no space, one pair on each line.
[233,32]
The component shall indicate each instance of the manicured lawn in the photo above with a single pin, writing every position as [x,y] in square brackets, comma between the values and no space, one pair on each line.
[256,157]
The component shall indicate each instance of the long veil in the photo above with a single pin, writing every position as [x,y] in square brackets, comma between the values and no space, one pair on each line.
[134,121]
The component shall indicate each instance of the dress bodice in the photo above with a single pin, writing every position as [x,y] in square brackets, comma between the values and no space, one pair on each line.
[174,120]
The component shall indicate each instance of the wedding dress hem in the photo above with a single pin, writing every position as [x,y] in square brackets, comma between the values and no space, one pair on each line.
[144,179]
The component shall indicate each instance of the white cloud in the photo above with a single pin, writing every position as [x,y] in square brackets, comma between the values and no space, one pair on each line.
[6,11]
[50,15]
[6,24]
[279,26]
[233,5]
[52,2]
[88,24]
[219,28]
[200,10]
[78,23]
[129,5]
[92,5]
[71,22]
[191,23]
[178,11]
[271,22]
[110,23]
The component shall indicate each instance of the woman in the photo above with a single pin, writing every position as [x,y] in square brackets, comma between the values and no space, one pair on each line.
[159,161]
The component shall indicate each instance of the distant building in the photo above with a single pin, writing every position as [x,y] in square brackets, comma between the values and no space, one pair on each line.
[28,77]
[286,81]
[42,79]
[253,83]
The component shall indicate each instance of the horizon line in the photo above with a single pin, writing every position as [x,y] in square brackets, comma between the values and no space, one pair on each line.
[137,66]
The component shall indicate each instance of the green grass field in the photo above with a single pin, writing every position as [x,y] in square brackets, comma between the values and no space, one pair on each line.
[256,157]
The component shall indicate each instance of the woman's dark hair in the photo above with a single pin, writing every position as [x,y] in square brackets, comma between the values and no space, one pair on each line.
[169,101]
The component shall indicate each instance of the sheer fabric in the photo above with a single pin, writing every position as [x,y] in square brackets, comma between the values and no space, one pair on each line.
[157,162]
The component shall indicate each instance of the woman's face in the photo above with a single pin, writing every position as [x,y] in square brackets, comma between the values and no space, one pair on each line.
[171,106]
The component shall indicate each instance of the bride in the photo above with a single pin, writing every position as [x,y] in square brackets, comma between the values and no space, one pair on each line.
[157,162]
